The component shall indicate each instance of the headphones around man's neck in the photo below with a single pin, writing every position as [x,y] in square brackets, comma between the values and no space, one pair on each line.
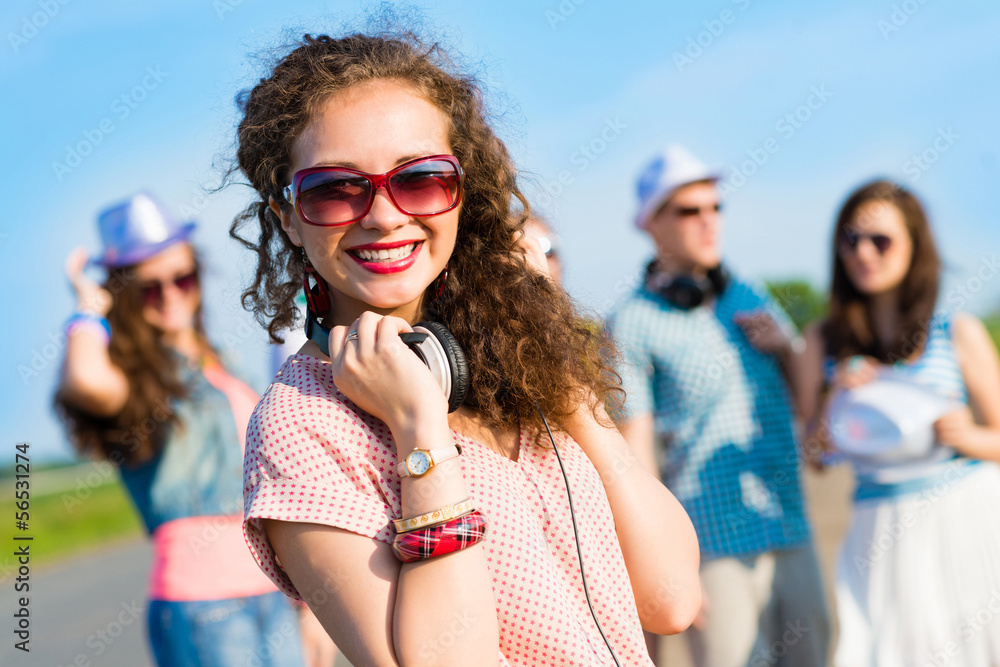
[685,291]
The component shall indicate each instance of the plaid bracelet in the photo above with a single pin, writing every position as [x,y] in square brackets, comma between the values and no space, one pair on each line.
[424,543]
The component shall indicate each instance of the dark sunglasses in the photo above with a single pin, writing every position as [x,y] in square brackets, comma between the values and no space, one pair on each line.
[333,196]
[692,211]
[852,240]
[152,291]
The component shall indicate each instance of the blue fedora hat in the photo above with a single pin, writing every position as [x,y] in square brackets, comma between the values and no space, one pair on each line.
[136,229]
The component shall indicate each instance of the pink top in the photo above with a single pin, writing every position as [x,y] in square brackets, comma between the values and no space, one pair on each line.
[205,557]
[313,456]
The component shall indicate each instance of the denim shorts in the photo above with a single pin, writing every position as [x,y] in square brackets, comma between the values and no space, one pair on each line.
[257,631]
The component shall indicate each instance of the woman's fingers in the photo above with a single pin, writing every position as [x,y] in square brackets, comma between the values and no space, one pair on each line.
[856,371]
[76,261]
[90,296]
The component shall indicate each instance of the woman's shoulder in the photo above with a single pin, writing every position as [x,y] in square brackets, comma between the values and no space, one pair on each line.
[304,423]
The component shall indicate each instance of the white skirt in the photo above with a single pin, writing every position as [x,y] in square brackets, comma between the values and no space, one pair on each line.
[918,577]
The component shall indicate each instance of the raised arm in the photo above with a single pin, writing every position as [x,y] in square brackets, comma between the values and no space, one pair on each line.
[378,610]
[656,536]
[89,379]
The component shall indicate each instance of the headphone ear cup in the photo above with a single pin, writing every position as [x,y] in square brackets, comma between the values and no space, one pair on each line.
[719,277]
[456,361]
[684,292]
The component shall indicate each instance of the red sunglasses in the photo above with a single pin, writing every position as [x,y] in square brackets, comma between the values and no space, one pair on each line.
[152,291]
[334,196]
[852,240]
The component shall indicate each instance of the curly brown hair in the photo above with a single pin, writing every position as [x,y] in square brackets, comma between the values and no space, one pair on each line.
[524,339]
[849,329]
[137,433]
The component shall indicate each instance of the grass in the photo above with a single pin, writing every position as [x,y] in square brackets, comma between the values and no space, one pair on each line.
[63,523]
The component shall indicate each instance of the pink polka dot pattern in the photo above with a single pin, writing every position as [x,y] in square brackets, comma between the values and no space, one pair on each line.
[313,456]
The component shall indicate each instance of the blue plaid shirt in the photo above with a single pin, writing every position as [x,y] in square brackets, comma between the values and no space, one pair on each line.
[722,415]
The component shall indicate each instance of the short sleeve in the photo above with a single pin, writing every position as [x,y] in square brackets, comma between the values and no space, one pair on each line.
[312,457]
[636,367]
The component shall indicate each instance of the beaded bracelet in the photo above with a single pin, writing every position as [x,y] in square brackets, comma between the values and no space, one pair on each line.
[96,323]
[446,513]
[423,543]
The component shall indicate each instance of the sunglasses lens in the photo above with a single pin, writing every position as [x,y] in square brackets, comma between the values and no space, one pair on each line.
[151,294]
[333,197]
[426,188]
[187,283]
[881,243]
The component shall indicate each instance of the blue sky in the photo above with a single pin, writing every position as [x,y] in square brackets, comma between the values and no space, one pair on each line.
[106,98]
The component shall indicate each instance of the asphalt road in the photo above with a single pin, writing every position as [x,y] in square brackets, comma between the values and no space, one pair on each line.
[86,612]
[91,611]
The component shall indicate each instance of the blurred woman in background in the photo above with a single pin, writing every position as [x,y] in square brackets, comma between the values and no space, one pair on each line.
[142,386]
[910,394]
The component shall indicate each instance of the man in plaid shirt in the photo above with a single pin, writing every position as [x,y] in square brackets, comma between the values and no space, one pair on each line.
[707,405]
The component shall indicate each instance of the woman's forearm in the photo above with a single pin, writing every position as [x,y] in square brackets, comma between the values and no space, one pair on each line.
[445,613]
[656,536]
[89,379]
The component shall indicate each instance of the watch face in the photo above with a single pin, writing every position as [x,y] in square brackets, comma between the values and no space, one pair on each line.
[418,462]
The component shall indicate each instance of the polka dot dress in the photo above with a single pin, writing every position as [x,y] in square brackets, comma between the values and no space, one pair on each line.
[313,456]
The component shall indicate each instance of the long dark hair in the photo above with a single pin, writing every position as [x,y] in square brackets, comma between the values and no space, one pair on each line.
[849,328]
[137,434]
[524,338]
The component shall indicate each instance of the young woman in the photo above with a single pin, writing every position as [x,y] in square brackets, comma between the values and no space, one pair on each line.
[142,387]
[378,174]
[918,579]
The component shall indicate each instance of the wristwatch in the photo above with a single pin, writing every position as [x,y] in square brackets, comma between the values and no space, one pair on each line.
[420,461]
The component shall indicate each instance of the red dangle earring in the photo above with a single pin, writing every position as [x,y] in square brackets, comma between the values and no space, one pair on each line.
[441,282]
[317,299]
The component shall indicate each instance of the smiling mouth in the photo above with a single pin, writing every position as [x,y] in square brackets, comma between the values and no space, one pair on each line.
[385,255]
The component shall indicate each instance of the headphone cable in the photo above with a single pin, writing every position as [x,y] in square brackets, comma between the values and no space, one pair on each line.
[576,535]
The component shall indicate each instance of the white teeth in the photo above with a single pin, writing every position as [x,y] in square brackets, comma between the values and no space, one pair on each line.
[386,255]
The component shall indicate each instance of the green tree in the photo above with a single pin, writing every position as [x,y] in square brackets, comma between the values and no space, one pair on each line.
[803,302]
[992,323]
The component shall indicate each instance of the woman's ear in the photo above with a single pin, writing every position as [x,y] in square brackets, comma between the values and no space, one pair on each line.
[286,221]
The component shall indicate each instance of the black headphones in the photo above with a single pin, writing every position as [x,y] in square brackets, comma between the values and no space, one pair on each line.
[432,342]
[687,292]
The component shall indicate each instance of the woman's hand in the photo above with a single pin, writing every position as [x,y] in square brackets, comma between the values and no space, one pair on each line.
[90,297]
[854,372]
[380,374]
[957,429]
